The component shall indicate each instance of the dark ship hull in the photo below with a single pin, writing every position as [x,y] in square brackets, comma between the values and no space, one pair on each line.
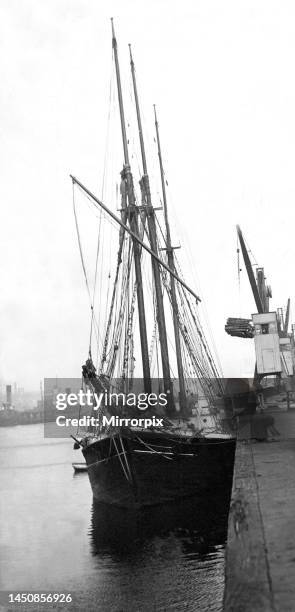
[131,470]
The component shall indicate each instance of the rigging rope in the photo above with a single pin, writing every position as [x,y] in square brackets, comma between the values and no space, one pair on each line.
[83,264]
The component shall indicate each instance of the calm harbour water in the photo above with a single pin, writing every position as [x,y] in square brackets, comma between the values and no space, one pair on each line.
[53,538]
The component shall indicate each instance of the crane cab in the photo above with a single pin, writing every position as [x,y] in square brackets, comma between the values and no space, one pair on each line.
[267,343]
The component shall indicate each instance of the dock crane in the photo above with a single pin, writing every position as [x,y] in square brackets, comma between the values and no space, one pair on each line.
[270,331]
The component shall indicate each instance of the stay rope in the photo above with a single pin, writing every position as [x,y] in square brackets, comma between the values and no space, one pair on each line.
[93,319]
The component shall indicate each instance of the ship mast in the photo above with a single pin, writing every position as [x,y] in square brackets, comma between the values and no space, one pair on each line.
[133,221]
[145,186]
[170,256]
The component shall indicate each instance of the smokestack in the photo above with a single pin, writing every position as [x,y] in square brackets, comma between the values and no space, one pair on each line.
[8,395]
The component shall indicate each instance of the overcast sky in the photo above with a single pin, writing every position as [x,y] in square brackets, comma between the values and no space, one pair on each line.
[222,75]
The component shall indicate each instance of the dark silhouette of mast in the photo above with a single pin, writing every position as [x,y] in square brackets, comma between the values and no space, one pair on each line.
[170,255]
[132,213]
[145,187]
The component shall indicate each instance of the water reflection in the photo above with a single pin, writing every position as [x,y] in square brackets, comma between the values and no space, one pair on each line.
[169,557]
[199,525]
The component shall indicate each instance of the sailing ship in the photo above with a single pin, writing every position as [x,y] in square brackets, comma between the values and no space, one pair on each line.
[191,452]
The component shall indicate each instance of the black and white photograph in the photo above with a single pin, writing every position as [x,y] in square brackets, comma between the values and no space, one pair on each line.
[147,335]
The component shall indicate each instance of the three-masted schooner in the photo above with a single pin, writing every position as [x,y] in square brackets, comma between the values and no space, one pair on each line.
[190,453]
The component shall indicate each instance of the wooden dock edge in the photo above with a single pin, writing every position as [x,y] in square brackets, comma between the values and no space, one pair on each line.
[247,579]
